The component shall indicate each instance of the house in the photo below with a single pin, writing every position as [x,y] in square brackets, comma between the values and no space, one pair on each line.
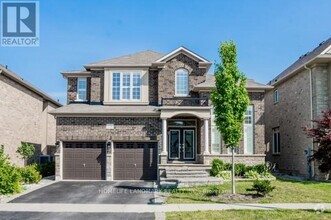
[24,116]
[301,92]
[143,115]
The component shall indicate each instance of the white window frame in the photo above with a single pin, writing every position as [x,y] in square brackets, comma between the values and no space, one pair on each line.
[212,128]
[249,125]
[276,96]
[81,90]
[131,73]
[276,141]
[176,72]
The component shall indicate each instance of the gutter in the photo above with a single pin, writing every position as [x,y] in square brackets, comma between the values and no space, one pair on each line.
[311,110]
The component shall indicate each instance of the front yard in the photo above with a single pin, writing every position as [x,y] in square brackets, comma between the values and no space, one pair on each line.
[252,215]
[286,192]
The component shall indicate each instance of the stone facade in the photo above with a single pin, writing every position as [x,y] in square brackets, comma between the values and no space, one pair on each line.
[292,113]
[166,76]
[97,84]
[24,118]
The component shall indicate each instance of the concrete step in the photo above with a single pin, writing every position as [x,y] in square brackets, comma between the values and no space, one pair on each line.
[193,172]
[186,176]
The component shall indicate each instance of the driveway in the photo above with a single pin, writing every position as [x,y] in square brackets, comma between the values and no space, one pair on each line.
[92,192]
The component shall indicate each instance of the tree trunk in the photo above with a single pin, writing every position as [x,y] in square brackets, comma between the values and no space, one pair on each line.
[232,173]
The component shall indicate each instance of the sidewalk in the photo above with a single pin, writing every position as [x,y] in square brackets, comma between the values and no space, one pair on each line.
[111,208]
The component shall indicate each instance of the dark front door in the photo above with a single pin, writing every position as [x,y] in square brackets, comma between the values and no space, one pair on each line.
[135,161]
[84,160]
[181,144]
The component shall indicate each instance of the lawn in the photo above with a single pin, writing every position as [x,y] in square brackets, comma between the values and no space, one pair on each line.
[286,192]
[251,214]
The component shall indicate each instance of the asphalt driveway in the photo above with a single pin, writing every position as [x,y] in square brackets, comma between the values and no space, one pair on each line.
[90,192]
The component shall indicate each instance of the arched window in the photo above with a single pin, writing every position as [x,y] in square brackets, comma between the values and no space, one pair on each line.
[181,82]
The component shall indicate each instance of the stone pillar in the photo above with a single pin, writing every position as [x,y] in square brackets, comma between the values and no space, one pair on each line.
[206,127]
[109,161]
[59,162]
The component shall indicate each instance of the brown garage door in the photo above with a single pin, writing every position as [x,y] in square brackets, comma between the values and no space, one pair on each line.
[135,161]
[84,161]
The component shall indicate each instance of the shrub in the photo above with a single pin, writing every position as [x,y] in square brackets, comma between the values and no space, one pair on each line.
[26,150]
[216,167]
[214,190]
[30,174]
[224,174]
[228,166]
[239,169]
[252,174]
[261,168]
[262,187]
[46,169]
[10,179]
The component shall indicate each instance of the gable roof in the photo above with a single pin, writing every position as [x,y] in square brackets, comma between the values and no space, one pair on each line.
[210,83]
[139,59]
[323,50]
[13,76]
[181,50]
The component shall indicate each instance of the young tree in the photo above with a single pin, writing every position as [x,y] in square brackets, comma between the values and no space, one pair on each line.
[322,136]
[230,99]
[26,151]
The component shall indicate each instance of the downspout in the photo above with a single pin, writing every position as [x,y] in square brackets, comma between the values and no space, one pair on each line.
[311,112]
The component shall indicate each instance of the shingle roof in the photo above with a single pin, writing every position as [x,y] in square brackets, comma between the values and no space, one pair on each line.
[21,81]
[82,108]
[210,83]
[143,58]
[303,60]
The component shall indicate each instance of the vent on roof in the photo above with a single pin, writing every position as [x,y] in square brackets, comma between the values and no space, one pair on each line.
[321,43]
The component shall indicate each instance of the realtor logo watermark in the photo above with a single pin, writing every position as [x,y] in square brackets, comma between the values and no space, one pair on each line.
[19,24]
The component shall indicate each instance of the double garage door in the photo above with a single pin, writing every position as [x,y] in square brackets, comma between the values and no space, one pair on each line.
[131,161]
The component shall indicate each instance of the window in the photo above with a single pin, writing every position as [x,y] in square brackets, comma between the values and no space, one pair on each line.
[276,96]
[276,141]
[81,89]
[126,86]
[215,136]
[181,82]
[249,130]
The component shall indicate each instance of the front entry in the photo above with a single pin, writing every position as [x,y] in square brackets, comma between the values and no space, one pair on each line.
[181,144]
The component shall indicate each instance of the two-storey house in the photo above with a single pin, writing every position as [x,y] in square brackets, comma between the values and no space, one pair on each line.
[137,116]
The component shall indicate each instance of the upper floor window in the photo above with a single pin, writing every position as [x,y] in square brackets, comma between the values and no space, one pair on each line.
[276,96]
[276,141]
[126,86]
[182,82]
[81,89]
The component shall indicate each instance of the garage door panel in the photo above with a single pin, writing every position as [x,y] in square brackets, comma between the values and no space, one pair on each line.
[135,161]
[84,161]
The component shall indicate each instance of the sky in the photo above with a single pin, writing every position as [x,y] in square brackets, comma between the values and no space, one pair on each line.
[269,34]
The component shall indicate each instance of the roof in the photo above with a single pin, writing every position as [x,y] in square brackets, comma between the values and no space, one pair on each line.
[322,48]
[5,71]
[83,108]
[143,58]
[76,73]
[209,83]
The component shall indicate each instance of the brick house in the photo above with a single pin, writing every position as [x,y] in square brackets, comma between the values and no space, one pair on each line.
[24,116]
[139,116]
[301,92]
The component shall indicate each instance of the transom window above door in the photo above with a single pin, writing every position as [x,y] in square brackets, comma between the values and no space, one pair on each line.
[126,86]
[181,82]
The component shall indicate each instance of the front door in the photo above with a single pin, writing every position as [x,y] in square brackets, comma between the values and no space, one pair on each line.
[181,144]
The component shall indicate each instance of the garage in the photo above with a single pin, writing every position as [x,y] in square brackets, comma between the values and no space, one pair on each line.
[84,160]
[135,161]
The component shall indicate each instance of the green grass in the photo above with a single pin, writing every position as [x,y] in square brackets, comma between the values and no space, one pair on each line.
[251,214]
[285,192]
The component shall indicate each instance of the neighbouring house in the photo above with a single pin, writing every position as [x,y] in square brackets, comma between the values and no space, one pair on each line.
[147,116]
[24,116]
[301,92]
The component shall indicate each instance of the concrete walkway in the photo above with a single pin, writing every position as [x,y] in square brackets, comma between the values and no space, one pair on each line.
[116,208]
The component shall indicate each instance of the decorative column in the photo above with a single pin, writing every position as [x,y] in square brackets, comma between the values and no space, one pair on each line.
[164,136]
[206,125]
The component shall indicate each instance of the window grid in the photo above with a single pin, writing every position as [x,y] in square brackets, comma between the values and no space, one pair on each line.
[181,82]
[126,86]
[81,89]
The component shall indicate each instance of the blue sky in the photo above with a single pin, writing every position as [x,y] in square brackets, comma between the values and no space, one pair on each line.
[270,34]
